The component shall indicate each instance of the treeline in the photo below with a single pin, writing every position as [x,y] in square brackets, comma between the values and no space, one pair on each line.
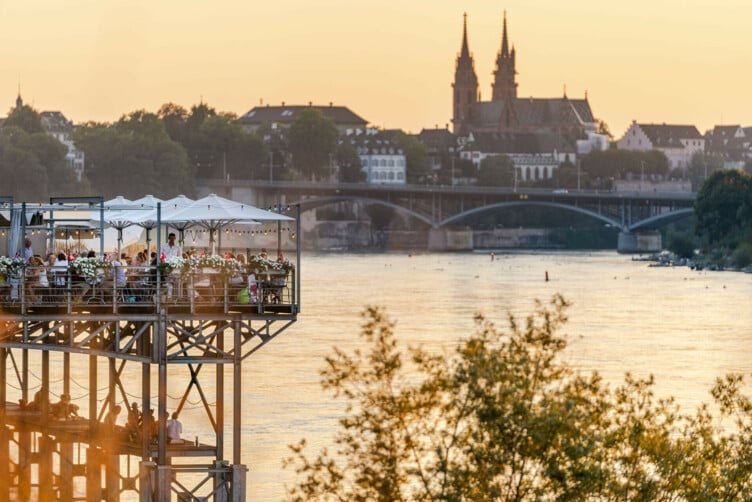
[160,153]
[723,212]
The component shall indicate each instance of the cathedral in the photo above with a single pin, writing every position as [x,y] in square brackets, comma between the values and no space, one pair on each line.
[569,120]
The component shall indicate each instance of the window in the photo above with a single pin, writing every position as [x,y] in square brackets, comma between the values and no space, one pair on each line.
[400,176]
[391,162]
[391,175]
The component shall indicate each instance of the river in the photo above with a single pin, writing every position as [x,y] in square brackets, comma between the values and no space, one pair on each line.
[683,326]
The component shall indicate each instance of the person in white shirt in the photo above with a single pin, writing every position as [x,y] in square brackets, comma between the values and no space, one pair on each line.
[170,249]
[27,252]
[174,429]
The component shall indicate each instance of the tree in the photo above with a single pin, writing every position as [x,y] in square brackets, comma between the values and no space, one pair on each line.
[348,162]
[602,128]
[25,118]
[133,157]
[415,156]
[723,207]
[23,174]
[312,138]
[701,166]
[566,176]
[175,119]
[616,164]
[505,419]
[682,244]
[497,170]
[239,154]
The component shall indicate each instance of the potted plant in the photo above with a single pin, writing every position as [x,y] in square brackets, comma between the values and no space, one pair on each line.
[89,268]
[173,264]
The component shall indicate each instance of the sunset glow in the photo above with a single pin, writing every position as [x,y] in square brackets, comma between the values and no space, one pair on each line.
[392,62]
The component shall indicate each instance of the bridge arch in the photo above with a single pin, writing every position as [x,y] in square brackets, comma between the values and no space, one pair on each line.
[556,205]
[314,202]
[662,219]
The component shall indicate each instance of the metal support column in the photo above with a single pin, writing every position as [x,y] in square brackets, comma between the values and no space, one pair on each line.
[45,444]
[93,457]
[4,431]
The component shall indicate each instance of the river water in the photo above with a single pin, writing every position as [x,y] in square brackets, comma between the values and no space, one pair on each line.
[683,326]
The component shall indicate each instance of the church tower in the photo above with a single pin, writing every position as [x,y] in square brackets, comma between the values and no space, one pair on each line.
[465,85]
[504,85]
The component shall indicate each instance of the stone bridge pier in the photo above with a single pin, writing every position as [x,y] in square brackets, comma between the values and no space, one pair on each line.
[642,241]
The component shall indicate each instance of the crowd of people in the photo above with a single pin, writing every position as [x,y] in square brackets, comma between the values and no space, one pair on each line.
[124,273]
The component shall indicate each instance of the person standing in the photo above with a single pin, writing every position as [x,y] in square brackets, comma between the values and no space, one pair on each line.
[174,429]
[170,249]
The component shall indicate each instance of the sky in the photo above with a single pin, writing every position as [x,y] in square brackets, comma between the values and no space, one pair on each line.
[390,61]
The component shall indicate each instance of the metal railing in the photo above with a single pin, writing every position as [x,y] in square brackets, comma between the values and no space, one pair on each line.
[40,289]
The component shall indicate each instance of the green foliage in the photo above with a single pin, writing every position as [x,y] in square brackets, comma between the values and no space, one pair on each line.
[616,164]
[682,244]
[216,143]
[505,419]
[742,255]
[312,138]
[701,166]
[723,206]
[565,176]
[497,170]
[348,162]
[134,156]
[33,166]
[415,156]
[25,118]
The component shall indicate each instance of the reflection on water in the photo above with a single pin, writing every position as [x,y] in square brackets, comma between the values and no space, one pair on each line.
[685,327]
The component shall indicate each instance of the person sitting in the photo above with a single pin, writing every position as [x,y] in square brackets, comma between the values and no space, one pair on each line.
[64,409]
[36,279]
[116,277]
[133,425]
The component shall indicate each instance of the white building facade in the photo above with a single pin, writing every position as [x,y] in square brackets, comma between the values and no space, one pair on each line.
[383,162]
[678,142]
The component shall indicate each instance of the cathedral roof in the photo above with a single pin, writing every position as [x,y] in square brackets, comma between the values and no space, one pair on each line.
[549,111]
[517,142]
[535,112]
[286,114]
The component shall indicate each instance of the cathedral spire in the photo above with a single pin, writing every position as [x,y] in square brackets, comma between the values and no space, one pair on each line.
[505,38]
[465,52]
[504,85]
[465,84]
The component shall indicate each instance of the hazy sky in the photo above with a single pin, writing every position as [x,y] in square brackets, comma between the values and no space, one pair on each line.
[390,61]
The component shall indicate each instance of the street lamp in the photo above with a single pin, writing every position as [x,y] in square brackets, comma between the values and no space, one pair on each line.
[451,152]
[642,173]
[271,163]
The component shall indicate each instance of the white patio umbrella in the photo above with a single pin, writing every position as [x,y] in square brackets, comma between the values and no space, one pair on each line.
[171,205]
[113,208]
[213,213]
[142,212]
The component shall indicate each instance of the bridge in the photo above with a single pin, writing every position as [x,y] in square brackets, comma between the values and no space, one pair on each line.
[440,207]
